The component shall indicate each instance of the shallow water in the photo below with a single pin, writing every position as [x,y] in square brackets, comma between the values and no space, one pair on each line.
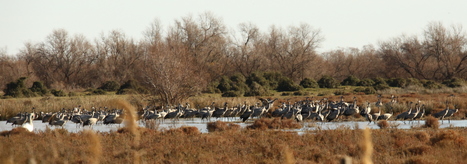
[202,125]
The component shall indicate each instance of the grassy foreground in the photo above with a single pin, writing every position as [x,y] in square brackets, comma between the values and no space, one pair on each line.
[233,145]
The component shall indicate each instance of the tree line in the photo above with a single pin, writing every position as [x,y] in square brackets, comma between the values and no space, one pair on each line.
[188,56]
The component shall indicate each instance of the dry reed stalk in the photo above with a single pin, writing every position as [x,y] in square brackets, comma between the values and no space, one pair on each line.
[289,158]
[95,148]
[132,126]
[367,147]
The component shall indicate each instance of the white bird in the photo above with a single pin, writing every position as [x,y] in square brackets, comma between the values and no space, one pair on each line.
[28,124]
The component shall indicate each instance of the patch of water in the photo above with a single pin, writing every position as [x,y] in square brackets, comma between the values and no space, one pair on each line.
[202,125]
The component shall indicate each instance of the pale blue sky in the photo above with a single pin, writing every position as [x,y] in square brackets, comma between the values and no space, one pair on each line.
[343,23]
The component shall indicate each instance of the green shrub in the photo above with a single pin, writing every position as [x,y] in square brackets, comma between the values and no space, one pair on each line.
[110,86]
[339,92]
[380,84]
[397,82]
[454,82]
[429,84]
[18,89]
[212,88]
[71,94]
[131,87]
[287,84]
[301,93]
[309,83]
[224,84]
[328,82]
[366,90]
[257,90]
[238,78]
[350,81]
[258,78]
[232,94]
[413,82]
[286,93]
[273,79]
[366,82]
[97,92]
[58,93]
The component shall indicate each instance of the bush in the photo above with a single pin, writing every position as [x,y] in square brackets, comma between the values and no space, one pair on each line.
[258,78]
[257,90]
[71,94]
[328,82]
[18,89]
[212,88]
[232,94]
[366,90]
[224,84]
[429,84]
[309,83]
[287,84]
[97,92]
[110,86]
[39,88]
[454,82]
[273,79]
[350,81]
[58,93]
[131,87]
[366,82]
[413,82]
[381,86]
[397,82]
[300,93]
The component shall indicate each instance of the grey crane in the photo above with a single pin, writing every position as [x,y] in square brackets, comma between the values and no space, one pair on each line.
[54,121]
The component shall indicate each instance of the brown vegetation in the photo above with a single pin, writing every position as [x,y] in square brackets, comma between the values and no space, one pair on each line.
[264,123]
[187,145]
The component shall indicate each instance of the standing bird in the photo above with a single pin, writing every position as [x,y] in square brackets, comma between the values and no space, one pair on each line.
[444,113]
[57,122]
[385,116]
[89,122]
[403,115]
[420,113]
[451,112]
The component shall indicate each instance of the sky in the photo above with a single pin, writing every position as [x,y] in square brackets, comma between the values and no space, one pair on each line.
[343,23]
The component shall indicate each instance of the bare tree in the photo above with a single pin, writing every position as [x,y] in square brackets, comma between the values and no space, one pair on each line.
[247,56]
[441,55]
[448,47]
[293,51]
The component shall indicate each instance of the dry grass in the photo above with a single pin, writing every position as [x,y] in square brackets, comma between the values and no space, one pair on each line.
[431,122]
[222,126]
[188,145]
[383,124]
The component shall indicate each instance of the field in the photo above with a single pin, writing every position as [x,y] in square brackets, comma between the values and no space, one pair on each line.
[227,143]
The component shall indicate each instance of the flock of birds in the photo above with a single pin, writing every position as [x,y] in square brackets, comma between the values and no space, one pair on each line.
[320,110]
